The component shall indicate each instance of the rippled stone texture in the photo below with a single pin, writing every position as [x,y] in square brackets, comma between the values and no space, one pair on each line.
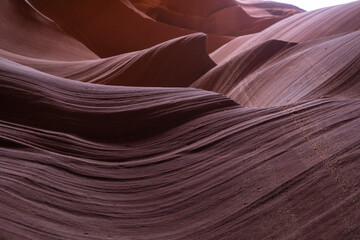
[116,123]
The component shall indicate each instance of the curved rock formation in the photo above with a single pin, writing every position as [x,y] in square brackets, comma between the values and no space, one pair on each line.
[228,18]
[24,31]
[175,63]
[112,27]
[114,162]
[108,27]
[299,28]
[116,26]
[267,149]
[328,67]
[225,77]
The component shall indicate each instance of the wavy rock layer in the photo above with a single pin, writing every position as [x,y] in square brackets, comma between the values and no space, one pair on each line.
[24,31]
[225,77]
[299,28]
[328,67]
[81,160]
[113,27]
[113,162]
[175,63]
[229,17]
[107,27]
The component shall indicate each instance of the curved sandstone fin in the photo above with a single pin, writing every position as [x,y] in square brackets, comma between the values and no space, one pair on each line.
[299,28]
[175,63]
[25,32]
[171,163]
[224,77]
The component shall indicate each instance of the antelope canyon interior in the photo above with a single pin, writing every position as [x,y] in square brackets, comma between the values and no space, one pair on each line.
[179,119]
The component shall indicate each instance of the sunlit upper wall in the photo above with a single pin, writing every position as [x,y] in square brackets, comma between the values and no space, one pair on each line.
[310,5]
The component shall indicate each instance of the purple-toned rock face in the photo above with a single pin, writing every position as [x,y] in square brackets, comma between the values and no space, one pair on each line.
[117,123]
